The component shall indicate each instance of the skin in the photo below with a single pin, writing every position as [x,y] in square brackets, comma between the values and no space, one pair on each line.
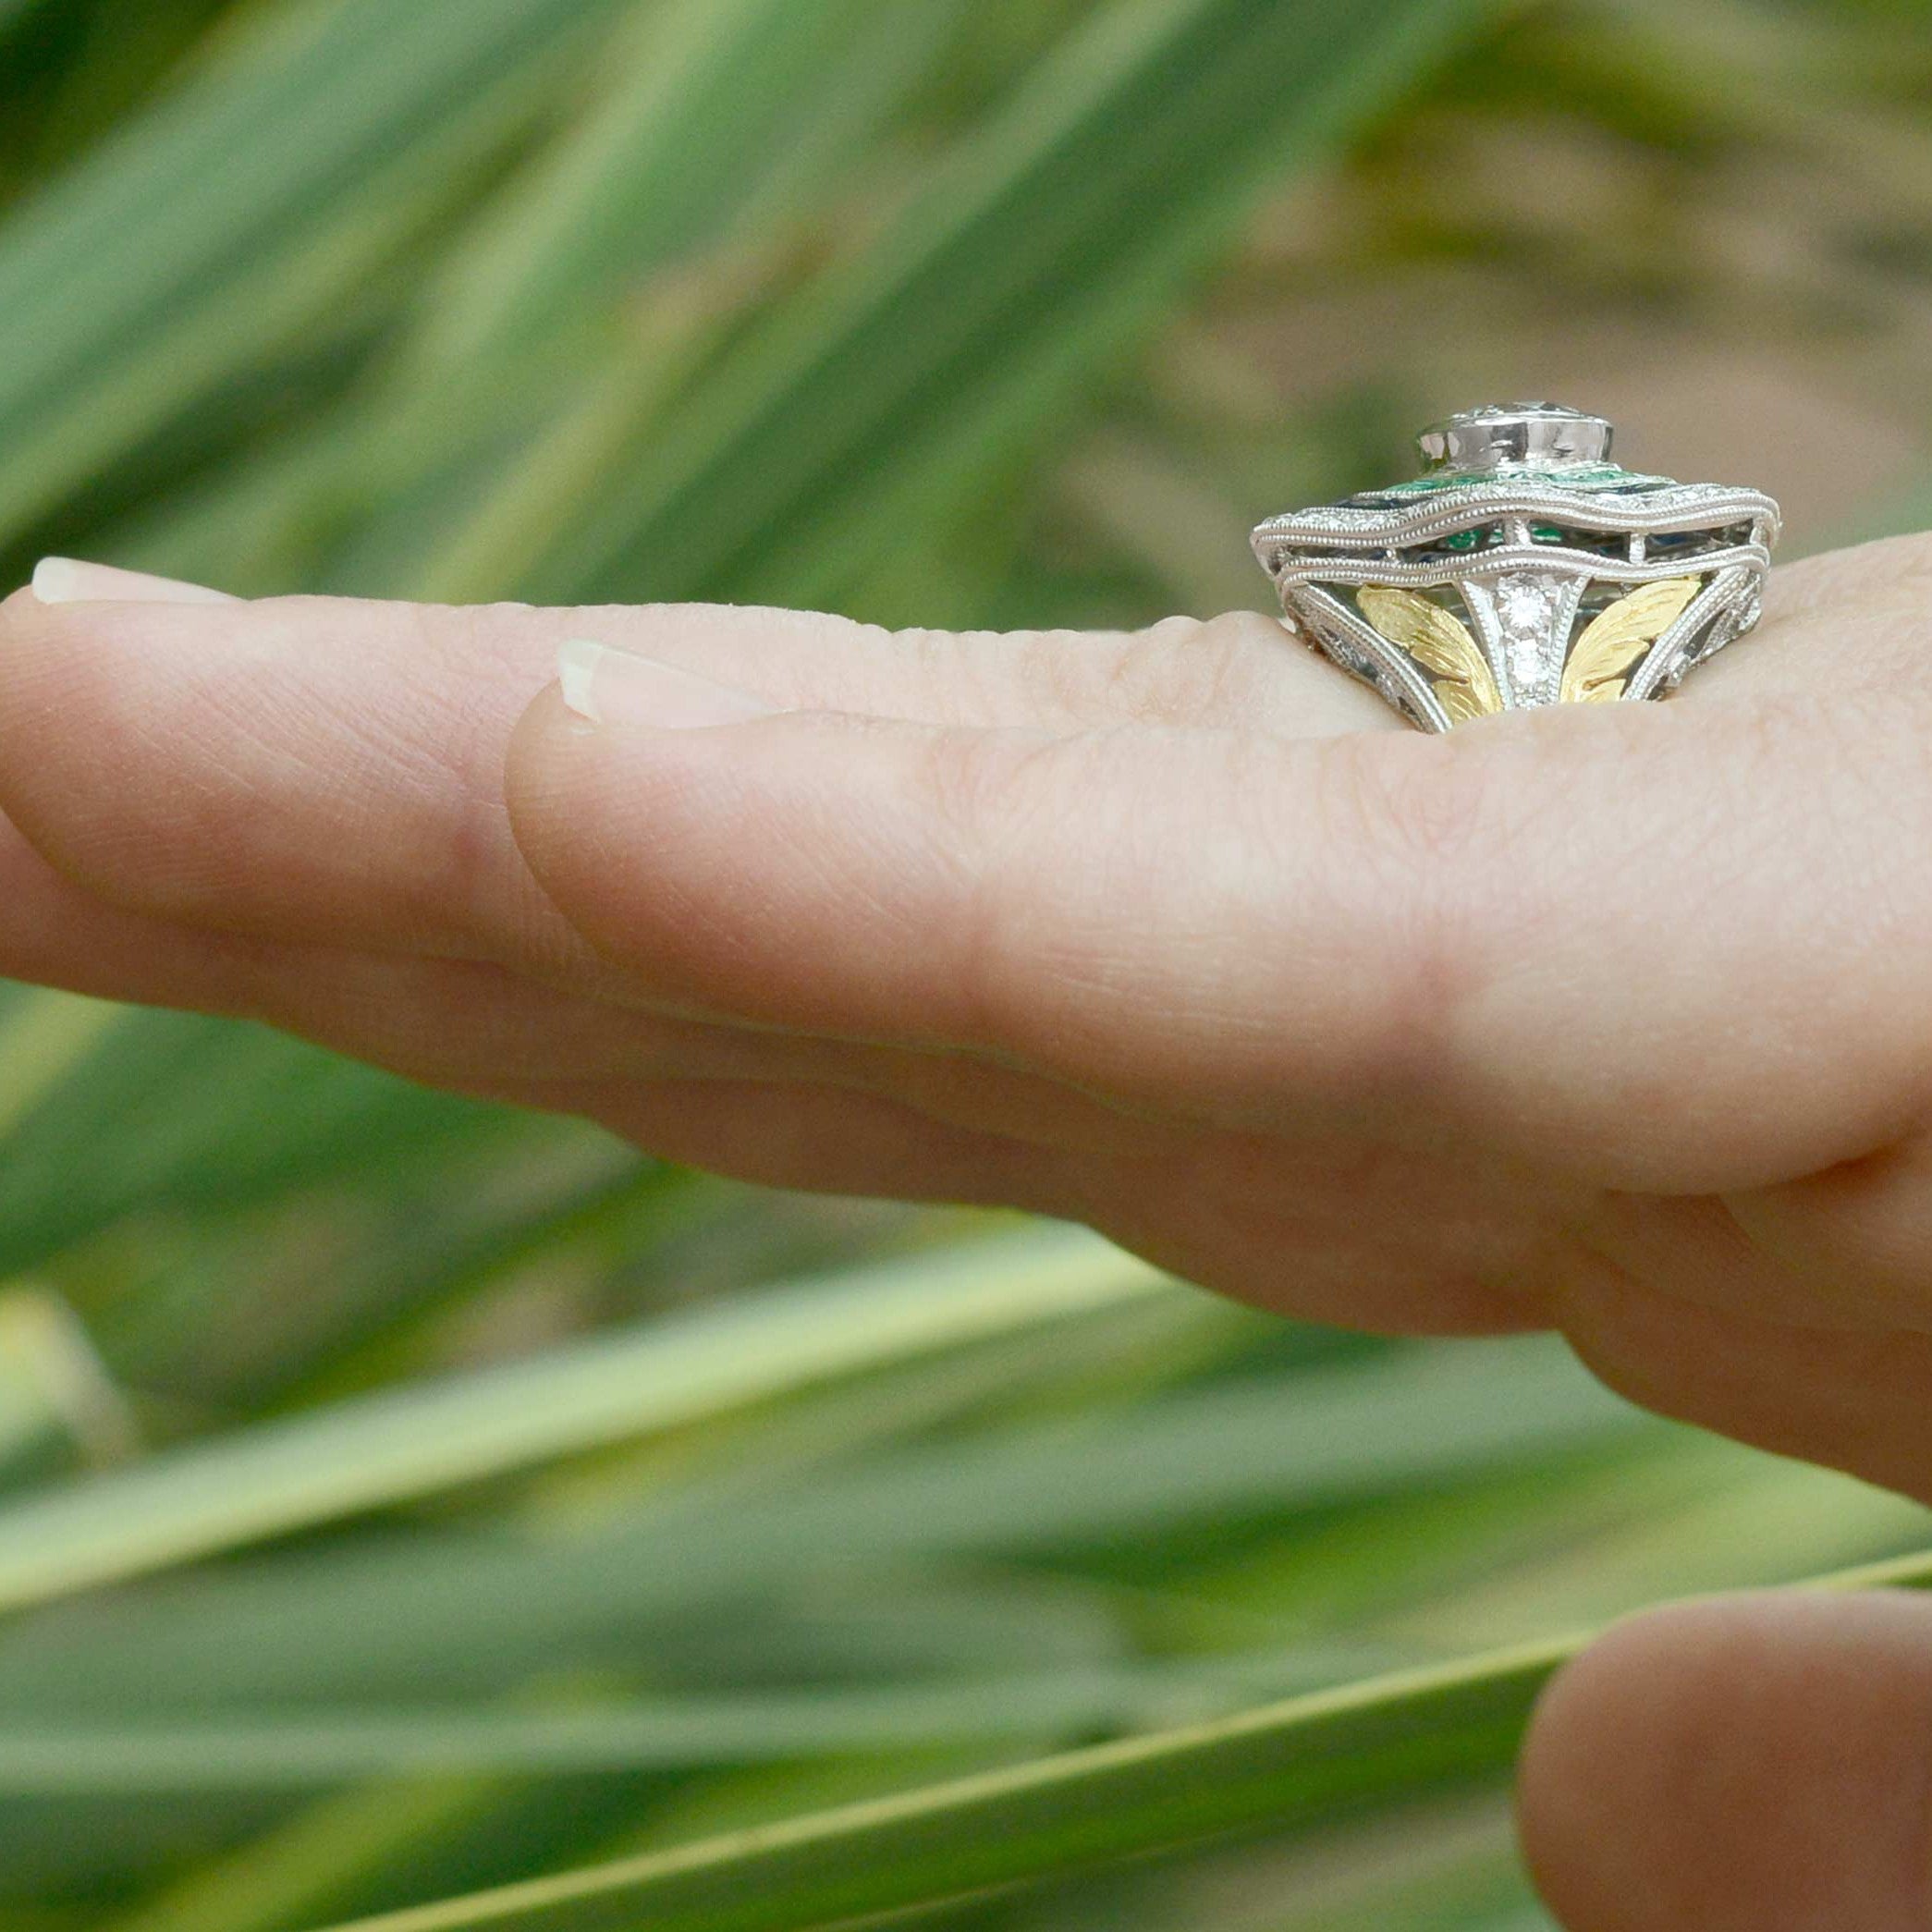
[1611,1020]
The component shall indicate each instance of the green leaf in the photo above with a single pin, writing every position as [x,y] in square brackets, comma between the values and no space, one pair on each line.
[558,314]
[235,212]
[1007,288]
[58,1407]
[259,1750]
[1284,1766]
[381,1450]
[1294,1765]
[177,1112]
[500,1606]
[779,98]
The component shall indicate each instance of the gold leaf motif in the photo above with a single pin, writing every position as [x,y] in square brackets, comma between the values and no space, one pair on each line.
[1614,640]
[1465,686]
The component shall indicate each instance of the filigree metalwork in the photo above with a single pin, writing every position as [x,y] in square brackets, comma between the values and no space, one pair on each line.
[1523,568]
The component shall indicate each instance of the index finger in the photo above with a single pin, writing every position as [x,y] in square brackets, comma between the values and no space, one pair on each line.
[331,770]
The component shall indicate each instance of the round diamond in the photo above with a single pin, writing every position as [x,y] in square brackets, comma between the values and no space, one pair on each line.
[1525,606]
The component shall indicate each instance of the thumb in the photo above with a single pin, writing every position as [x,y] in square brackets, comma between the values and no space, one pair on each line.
[1754,1763]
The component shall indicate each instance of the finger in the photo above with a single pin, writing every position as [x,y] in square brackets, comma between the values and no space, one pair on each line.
[1887,574]
[1853,619]
[332,770]
[804,1138]
[1858,1233]
[477,1028]
[1210,1207]
[55,934]
[1448,933]
[276,769]
[65,579]
[462,1023]
[1856,1399]
[480,1029]
[1825,1252]
[819,1140]
[1759,1763]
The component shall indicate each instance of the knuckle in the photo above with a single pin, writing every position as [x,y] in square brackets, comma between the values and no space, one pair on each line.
[1180,670]
[974,782]
[466,670]
[994,803]
[1188,670]
[1419,805]
[1423,826]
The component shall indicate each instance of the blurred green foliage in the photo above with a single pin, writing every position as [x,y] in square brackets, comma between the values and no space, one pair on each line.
[400,1496]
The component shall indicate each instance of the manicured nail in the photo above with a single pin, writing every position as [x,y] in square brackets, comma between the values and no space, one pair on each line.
[613,687]
[64,580]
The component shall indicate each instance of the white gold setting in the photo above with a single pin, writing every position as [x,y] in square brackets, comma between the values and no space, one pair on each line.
[1522,568]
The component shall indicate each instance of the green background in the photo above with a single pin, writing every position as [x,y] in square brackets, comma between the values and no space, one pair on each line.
[401,1497]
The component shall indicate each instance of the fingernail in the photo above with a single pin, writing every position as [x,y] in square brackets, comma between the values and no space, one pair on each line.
[613,687]
[64,580]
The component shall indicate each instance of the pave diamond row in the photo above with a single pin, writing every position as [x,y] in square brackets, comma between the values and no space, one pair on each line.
[1526,609]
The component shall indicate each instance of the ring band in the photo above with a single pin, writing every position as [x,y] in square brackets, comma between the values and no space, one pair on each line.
[1522,568]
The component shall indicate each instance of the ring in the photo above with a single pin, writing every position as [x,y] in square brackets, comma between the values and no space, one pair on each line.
[1522,568]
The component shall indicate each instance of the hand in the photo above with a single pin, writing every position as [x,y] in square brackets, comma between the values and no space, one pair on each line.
[1615,1019]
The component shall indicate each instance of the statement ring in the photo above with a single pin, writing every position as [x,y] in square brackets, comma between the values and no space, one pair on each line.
[1522,568]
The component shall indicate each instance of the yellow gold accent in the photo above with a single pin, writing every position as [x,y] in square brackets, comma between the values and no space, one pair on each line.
[1459,702]
[1614,640]
[1465,686]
